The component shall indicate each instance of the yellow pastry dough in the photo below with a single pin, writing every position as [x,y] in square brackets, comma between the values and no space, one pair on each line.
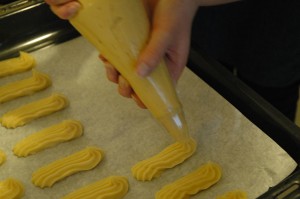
[46,138]
[83,160]
[11,189]
[198,180]
[37,82]
[234,195]
[2,157]
[33,110]
[16,65]
[114,187]
[168,158]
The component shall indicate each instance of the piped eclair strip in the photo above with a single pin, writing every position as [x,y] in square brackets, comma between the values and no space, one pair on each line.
[48,137]
[83,160]
[113,187]
[11,189]
[16,65]
[37,82]
[194,182]
[2,157]
[168,158]
[238,194]
[33,110]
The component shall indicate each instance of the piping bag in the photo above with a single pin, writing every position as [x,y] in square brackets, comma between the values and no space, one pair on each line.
[119,29]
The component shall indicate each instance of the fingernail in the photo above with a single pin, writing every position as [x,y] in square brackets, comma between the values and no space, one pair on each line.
[73,9]
[143,70]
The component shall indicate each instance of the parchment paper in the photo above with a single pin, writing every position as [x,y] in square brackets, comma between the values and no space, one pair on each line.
[250,160]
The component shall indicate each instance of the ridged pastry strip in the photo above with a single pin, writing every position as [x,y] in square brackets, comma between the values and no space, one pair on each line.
[83,160]
[37,82]
[168,158]
[16,65]
[46,138]
[11,189]
[2,157]
[113,187]
[33,110]
[198,180]
[234,195]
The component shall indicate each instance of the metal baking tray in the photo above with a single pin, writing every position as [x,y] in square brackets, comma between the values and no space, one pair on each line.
[257,110]
[30,25]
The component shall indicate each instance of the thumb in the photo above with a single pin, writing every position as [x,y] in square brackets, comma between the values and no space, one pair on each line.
[153,53]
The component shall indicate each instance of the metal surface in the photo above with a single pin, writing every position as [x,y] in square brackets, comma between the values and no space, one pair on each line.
[18,6]
[256,109]
[30,25]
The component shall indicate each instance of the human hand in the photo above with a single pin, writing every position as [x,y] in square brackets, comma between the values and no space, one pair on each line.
[64,9]
[171,22]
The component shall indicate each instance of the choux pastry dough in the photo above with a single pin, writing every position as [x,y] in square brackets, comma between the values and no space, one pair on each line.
[37,82]
[46,138]
[2,157]
[83,160]
[27,113]
[114,187]
[17,65]
[198,180]
[168,158]
[11,189]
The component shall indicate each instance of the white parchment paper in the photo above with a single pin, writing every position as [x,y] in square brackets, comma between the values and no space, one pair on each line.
[250,160]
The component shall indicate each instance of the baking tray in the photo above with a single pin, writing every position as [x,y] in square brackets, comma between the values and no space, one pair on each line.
[256,109]
[128,134]
[30,25]
[35,27]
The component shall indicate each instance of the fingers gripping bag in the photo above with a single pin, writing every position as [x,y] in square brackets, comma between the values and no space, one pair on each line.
[119,30]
